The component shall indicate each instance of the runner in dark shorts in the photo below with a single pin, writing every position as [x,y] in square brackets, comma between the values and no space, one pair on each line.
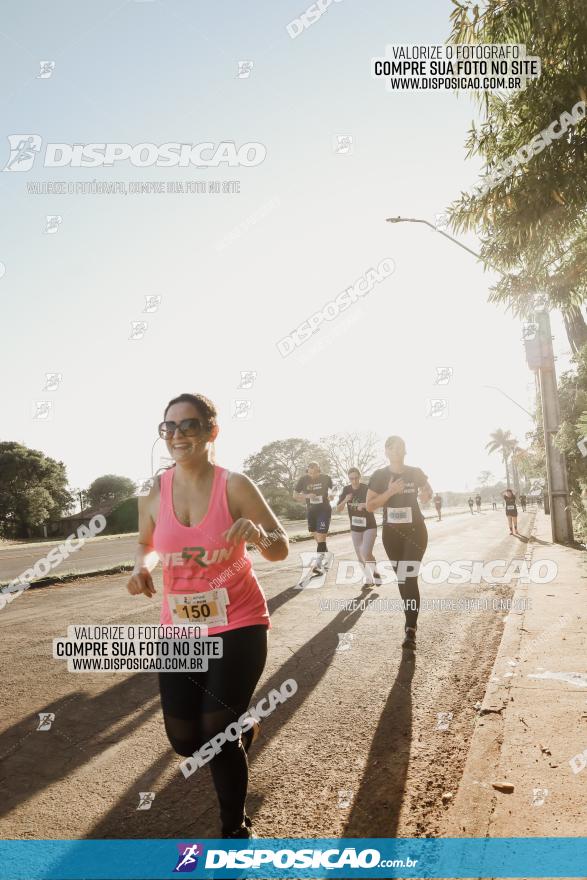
[438,506]
[511,511]
[313,488]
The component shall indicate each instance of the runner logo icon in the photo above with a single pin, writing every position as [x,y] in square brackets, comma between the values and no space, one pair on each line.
[187,860]
[23,149]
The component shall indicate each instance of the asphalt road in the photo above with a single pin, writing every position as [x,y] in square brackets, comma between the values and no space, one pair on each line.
[357,751]
[104,552]
[98,553]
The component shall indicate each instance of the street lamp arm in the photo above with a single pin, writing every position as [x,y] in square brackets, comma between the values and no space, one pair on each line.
[509,398]
[446,235]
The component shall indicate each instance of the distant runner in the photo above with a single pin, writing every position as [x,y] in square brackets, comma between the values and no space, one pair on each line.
[523,502]
[363,525]
[511,511]
[396,488]
[313,488]
[493,504]
[470,502]
[438,506]
[478,503]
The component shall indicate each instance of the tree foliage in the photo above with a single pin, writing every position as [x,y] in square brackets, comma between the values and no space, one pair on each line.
[533,225]
[33,490]
[109,490]
[280,464]
[573,407]
[352,449]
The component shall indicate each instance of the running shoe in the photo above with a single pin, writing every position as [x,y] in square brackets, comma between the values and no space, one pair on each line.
[245,831]
[318,567]
[377,579]
[311,573]
[325,560]
[248,737]
[410,640]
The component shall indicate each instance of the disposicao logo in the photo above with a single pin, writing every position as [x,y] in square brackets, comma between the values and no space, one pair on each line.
[25,147]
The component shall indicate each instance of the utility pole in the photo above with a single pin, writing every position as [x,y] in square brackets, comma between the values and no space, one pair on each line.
[540,357]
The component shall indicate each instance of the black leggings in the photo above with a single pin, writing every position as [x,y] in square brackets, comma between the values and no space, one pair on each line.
[198,705]
[407,543]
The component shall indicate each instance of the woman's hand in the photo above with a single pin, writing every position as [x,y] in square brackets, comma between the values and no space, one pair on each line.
[242,530]
[141,582]
[395,487]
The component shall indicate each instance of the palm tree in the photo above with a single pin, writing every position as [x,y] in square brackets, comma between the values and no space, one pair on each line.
[516,452]
[484,478]
[502,441]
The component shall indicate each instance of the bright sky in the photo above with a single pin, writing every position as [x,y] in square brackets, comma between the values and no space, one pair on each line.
[166,71]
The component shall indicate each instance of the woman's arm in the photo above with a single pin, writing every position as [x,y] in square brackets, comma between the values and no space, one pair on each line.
[254,521]
[141,580]
[343,501]
[375,500]
[425,492]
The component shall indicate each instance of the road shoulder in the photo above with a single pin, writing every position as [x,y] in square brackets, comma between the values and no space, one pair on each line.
[531,731]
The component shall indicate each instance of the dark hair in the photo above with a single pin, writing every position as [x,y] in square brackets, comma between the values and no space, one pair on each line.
[313,464]
[353,470]
[205,407]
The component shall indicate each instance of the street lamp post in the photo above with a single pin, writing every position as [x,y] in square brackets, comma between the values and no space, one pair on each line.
[152,451]
[556,469]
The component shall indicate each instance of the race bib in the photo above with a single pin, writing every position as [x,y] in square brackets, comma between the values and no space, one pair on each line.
[510,508]
[315,501]
[398,515]
[204,609]
[360,521]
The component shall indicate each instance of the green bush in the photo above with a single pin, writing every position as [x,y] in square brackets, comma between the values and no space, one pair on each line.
[123,518]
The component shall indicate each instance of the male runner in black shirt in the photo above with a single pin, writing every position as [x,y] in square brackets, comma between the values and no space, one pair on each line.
[313,488]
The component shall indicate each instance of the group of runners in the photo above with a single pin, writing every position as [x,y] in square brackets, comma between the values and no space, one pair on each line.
[477,501]
[196,505]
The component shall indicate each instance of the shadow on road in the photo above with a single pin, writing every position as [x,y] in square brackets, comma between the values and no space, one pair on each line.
[376,807]
[190,805]
[36,759]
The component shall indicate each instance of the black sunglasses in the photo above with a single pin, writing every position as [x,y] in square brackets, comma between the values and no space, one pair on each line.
[187,427]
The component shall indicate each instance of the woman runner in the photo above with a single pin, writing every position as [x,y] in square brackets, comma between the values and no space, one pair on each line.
[404,534]
[511,511]
[198,517]
[363,525]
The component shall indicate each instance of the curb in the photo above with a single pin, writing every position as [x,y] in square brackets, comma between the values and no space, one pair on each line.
[470,815]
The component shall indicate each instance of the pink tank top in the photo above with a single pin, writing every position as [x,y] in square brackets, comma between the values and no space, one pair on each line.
[197,558]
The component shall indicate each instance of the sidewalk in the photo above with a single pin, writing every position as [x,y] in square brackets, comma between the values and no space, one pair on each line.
[531,733]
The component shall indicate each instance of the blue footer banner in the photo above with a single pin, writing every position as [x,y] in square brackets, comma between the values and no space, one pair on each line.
[294,857]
